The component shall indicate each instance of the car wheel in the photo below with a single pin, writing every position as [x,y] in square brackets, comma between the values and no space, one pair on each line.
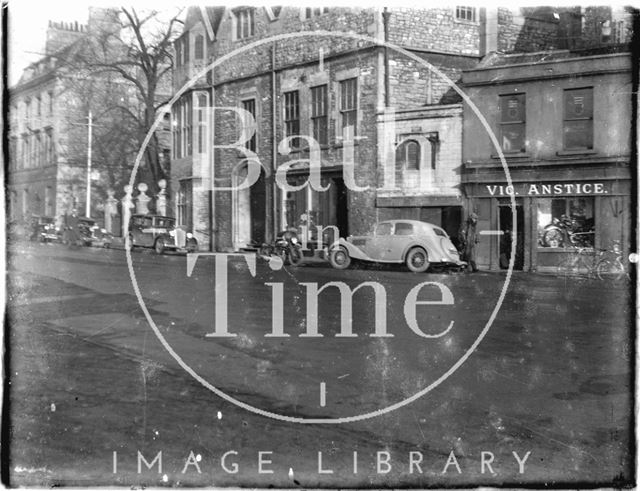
[159,246]
[339,258]
[192,245]
[417,260]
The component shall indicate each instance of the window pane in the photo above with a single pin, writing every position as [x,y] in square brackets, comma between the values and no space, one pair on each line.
[513,137]
[413,155]
[566,222]
[250,107]
[199,47]
[319,113]
[578,134]
[384,229]
[404,229]
[512,108]
[578,103]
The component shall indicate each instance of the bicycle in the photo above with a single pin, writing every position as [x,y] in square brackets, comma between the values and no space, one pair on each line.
[584,259]
[611,266]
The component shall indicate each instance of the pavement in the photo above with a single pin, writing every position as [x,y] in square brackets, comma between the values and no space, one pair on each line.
[550,382]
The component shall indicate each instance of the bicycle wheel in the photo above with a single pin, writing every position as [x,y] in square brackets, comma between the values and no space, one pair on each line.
[610,270]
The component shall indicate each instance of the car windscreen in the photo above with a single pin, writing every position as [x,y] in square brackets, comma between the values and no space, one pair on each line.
[164,222]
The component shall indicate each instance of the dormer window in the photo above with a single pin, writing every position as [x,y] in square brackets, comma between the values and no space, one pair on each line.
[315,12]
[245,22]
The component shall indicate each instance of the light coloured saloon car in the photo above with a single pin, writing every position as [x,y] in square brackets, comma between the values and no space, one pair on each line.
[417,244]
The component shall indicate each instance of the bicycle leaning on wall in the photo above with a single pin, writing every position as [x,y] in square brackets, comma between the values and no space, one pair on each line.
[611,266]
[602,264]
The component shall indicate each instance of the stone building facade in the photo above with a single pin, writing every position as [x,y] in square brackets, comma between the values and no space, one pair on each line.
[48,126]
[324,90]
[563,123]
[330,87]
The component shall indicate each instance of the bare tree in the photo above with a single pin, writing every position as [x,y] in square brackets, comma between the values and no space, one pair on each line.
[137,48]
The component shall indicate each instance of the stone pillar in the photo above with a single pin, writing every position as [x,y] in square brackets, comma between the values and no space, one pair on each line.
[127,206]
[110,210]
[161,199]
[142,200]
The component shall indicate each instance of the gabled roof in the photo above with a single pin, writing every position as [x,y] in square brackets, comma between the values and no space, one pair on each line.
[209,16]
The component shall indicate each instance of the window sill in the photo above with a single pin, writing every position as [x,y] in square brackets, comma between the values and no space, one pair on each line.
[512,155]
[562,153]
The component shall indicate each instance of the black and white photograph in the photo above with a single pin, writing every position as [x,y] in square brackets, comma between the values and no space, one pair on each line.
[353,246]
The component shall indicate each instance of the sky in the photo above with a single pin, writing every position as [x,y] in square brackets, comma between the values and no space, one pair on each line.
[29,19]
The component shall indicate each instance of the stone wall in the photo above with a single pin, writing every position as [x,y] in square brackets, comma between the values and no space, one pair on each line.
[434,29]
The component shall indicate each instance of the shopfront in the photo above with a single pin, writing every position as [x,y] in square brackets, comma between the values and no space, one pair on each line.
[553,218]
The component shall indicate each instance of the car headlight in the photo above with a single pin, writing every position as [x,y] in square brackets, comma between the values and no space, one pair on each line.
[294,240]
[189,235]
[172,233]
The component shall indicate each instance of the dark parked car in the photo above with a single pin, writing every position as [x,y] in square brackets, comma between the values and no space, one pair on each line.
[44,229]
[160,233]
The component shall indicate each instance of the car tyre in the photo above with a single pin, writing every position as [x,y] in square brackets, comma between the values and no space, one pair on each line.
[417,260]
[339,258]
[159,245]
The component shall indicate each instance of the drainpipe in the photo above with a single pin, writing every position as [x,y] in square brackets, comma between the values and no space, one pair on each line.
[213,237]
[385,21]
[272,224]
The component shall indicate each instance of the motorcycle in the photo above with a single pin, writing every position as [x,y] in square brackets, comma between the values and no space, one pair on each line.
[564,232]
[287,247]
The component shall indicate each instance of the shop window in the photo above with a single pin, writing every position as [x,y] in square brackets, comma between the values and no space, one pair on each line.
[245,23]
[249,105]
[512,122]
[566,222]
[292,116]
[199,47]
[319,118]
[348,107]
[466,13]
[578,119]
[408,155]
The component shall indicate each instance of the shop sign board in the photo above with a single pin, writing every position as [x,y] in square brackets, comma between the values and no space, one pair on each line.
[539,189]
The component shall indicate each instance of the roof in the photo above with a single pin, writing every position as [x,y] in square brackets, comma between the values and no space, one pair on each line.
[497,59]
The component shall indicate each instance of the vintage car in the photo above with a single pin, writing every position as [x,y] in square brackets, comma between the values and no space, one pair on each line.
[416,244]
[92,234]
[161,233]
[44,229]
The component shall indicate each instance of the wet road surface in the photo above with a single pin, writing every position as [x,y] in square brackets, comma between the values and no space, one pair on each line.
[544,398]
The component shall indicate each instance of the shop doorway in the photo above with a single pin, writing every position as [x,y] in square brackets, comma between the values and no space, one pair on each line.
[506,226]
